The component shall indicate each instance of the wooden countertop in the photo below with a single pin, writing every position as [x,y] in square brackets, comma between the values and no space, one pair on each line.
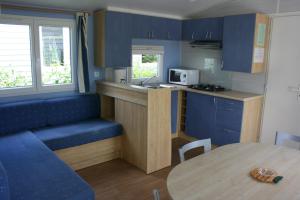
[229,94]
[132,87]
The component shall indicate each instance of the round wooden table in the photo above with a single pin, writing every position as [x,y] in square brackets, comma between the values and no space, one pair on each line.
[224,174]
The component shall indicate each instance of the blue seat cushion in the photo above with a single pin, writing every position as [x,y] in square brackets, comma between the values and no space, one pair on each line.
[66,110]
[4,188]
[34,172]
[20,116]
[78,133]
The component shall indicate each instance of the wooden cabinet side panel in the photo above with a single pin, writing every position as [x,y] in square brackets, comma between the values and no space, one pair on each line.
[159,129]
[251,120]
[261,19]
[99,38]
[133,118]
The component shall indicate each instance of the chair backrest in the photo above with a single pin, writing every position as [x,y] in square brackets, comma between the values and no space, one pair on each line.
[199,143]
[156,194]
[281,137]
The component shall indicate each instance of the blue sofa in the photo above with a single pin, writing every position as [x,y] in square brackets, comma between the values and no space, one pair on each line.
[30,130]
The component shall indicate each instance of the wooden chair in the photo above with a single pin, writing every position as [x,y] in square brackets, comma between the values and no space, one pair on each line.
[156,194]
[199,143]
[281,137]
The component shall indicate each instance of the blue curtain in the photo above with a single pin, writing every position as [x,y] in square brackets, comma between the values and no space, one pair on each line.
[82,52]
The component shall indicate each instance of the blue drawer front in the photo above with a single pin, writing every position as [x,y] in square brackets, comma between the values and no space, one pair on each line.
[229,118]
[225,136]
[229,104]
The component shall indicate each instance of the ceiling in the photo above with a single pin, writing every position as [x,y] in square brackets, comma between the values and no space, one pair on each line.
[175,8]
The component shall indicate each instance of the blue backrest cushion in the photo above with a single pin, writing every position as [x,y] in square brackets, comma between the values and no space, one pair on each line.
[4,188]
[19,116]
[67,110]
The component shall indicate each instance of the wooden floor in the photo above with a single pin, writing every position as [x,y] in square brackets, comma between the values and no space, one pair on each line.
[118,180]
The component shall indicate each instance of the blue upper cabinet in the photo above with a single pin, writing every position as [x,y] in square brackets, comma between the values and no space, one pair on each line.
[200,115]
[202,29]
[245,41]
[113,31]
[142,26]
[147,27]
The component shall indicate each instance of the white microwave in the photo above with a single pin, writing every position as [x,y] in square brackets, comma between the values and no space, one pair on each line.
[184,76]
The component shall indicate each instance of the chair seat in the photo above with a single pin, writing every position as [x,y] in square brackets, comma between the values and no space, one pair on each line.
[66,136]
[34,172]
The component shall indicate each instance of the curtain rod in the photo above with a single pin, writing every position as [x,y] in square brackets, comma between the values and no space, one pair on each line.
[40,9]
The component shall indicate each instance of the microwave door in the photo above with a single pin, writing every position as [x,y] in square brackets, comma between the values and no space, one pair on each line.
[175,76]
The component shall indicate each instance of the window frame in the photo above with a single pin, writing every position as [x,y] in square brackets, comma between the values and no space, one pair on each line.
[148,49]
[34,23]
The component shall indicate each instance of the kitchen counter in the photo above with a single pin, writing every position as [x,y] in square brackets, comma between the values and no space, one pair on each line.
[131,87]
[228,94]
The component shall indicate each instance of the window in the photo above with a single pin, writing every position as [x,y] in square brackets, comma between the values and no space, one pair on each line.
[35,55]
[147,62]
[15,56]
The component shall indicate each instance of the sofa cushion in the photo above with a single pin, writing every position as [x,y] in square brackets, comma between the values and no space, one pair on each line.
[78,133]
[20,116]
[4,189]
[67,110]
[35,172]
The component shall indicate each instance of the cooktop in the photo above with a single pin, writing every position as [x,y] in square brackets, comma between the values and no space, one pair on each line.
[207,87]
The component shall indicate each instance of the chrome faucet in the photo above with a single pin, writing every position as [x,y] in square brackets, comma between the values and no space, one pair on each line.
[147,80]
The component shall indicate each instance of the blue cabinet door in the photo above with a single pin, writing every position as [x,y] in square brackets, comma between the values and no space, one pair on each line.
[118,39]
[174,111]
[147,27]
[229,115]
[189,30]
[202,29]
[142,26]
[200,115]
[174,29]
[238,41]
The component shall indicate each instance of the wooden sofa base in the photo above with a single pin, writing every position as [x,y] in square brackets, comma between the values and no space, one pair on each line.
[87,155]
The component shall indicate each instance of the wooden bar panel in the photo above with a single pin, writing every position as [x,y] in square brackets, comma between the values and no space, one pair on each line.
[159,129]
[133,118]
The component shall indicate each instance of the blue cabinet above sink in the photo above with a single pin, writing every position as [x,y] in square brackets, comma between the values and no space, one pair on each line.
[202,29]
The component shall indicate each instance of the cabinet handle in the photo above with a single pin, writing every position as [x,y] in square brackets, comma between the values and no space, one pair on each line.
[215,100]
[228,109]
[152,34]
[206,36]
[228,130]
[193,35]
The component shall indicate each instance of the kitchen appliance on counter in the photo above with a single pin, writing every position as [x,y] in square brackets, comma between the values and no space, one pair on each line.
[208,87]
[184,76]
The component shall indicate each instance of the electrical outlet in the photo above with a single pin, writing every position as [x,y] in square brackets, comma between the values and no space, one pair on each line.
[97,75]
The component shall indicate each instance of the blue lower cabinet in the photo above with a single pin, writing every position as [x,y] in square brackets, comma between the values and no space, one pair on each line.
[200,115]
[213,117]
[174,111]
[223,136]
